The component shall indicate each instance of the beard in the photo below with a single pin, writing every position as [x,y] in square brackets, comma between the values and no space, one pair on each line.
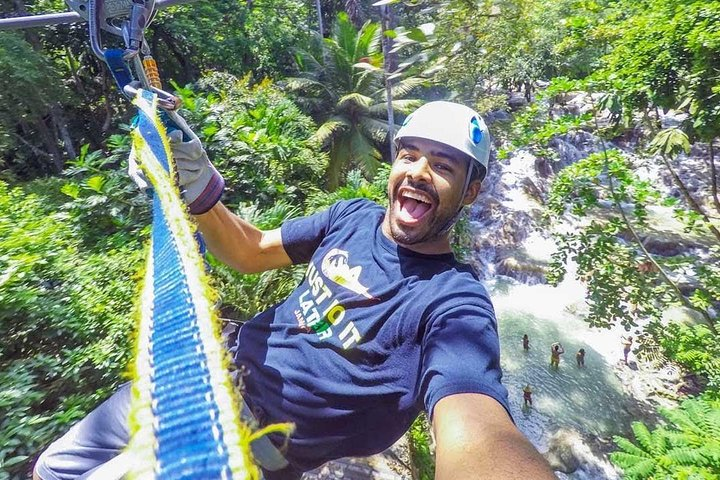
[436,223]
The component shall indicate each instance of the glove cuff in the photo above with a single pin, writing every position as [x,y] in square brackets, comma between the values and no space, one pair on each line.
[210,195]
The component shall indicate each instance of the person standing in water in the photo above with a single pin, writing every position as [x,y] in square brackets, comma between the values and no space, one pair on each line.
[527,396]
[627,346]
[526,343]
[555,351]
[580,358]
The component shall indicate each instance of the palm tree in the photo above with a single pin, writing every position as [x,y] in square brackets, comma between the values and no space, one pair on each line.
[342,84]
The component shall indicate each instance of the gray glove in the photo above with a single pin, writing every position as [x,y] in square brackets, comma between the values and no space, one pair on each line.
[201,184]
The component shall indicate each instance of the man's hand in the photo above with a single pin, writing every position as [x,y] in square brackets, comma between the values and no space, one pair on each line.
[200,182]
[477,440]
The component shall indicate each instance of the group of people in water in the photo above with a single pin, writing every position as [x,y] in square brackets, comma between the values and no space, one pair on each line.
[556,349]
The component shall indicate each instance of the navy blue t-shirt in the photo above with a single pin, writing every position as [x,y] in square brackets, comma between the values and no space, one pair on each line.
[374,334]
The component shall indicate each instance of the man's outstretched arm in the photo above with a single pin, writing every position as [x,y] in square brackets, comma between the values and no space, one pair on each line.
[239,244]
[477,440]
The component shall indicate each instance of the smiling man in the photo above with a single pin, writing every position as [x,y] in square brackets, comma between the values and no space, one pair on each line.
[385,324]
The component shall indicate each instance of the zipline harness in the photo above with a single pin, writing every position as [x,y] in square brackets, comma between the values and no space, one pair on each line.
[184,419]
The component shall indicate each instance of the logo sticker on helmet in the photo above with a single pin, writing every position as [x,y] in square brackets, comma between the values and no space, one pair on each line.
[476,133]
[407,119]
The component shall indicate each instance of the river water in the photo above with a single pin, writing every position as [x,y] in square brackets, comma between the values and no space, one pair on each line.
[588,404]
[590,400]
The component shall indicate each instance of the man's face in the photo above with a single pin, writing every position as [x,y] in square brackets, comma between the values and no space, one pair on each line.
[424,188]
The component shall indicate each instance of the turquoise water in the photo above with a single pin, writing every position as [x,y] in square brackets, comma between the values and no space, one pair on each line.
[588,400]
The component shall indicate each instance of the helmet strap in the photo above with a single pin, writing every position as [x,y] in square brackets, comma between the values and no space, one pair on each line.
[451,222]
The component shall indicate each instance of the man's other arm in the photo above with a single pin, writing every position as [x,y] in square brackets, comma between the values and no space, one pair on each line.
[239,244]
[477,440]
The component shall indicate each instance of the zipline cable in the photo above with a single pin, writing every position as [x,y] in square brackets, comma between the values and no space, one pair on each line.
[47,19]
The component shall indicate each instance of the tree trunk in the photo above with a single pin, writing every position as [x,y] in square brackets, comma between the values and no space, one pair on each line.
[33,148]
[50,142]
[352,8]
[694,206]
[389,22]
[107,103]
[58,119]
[318,8]
[713,178]
[388,71]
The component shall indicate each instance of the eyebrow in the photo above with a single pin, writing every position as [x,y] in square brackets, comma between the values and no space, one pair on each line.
[434,153]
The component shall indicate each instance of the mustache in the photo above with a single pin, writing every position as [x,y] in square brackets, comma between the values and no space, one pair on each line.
[422,186]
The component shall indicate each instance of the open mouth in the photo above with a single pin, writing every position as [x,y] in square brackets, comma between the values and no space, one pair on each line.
[413,205]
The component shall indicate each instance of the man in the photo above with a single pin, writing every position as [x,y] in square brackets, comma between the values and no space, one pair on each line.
[627,347]
[580,358]
[386,322]
[556,349]
[526,342]
[527,396]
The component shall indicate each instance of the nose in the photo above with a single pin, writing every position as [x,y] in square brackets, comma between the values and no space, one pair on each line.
[419,170]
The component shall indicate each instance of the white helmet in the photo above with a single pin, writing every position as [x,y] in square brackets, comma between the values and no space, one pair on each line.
[453,125]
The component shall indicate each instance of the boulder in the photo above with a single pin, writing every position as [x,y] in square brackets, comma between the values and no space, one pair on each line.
[516,100]
[561,454]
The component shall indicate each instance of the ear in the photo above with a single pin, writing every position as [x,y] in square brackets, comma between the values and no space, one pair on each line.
[472,192]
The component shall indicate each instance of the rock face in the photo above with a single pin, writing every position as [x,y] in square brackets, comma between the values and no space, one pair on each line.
[392,464]
[561,455]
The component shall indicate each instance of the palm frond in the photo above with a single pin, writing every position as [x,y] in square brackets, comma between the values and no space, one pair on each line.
[630,448]
[405,86]
[354,100]
[302,84]
[643,436]
[367,80]
[345,35]
[375,129]
[307,62]
[642,469]
[404,106]
[330,129]
[687,456]
[368,40]
[364,154]
[340,155]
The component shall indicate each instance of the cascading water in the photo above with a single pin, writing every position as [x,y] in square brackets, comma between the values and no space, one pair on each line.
[575,411]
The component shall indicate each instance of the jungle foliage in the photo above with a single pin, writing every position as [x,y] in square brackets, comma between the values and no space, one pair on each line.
[297,120]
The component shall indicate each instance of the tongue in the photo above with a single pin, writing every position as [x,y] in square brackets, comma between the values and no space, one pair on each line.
[412,209]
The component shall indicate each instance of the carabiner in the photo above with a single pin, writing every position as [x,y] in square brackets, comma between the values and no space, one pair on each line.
[134,28]
[166,101]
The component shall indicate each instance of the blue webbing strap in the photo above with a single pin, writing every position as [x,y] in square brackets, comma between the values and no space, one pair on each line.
[184,420]
[119,69]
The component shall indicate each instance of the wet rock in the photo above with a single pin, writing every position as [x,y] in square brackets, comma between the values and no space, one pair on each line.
[532,190]
[516,100]
[562,455]
[664,246]
[497,116]
[672,118]
[392,464]
[519,266]
[543,167]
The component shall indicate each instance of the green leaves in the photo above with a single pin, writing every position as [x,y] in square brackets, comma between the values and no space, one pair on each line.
[259,139]
[689,447]
[65,313]
[342,85]
[670,142]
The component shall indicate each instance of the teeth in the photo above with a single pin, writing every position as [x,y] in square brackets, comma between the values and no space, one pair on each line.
[414,196]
